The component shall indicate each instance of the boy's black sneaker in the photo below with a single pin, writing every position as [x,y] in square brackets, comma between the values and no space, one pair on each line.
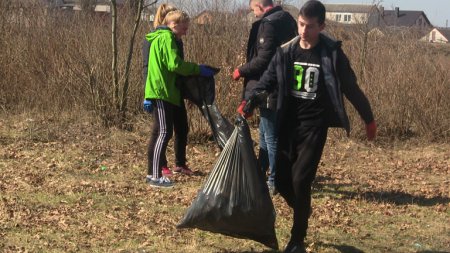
[295,247]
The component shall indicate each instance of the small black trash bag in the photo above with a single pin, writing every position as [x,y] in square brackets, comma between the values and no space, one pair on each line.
[235,200]
[201,91]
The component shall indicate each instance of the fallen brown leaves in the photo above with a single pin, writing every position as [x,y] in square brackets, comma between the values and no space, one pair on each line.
[83,189]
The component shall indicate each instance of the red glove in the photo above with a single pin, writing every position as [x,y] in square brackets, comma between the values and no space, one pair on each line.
[236,74]
[240,110]
[371,130]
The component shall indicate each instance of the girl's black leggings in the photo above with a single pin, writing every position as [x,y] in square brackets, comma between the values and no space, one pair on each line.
[168,118]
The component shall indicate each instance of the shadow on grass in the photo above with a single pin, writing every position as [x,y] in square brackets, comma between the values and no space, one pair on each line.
[431,251]
[264,251]
[393,197]
[199,173]
[341,248]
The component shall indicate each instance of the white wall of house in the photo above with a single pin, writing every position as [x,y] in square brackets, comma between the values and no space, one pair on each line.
[103,8]
[436,37]
[347,17]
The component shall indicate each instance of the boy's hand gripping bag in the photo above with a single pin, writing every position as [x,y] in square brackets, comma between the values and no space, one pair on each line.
[235,200]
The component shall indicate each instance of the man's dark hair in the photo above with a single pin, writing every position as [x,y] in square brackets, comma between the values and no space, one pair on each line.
[313,9]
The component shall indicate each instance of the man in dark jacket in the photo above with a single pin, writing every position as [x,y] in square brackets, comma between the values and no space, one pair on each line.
[311,73]
[273,28]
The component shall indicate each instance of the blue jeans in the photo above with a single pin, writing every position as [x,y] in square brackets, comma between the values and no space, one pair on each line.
[267,142]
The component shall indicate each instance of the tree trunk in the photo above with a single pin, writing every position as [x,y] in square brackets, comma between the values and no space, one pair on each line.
[129,58]
[120,100]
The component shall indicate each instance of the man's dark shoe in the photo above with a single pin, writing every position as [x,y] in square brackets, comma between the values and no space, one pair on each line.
[295,247]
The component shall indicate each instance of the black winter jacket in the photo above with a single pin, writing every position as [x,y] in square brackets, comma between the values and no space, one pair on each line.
[275,28]
[338,75]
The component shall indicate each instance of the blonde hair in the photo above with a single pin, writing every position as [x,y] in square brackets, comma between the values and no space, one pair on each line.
[161,14]
[176,16]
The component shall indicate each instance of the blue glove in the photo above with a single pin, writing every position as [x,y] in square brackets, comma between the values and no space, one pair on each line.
[206,71]
[148,106]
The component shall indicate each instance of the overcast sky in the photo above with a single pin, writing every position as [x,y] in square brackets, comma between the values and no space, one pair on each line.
[437,11]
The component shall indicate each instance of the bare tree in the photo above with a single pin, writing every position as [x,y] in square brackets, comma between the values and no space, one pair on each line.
[365,28]
[120,90]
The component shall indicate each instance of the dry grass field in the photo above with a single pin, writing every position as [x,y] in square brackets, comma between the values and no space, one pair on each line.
[71,181]
[74,186]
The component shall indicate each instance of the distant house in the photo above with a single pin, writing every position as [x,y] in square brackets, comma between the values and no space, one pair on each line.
[438,35]
[106,8]
[354,14]
[409,19]
[100,6]
[376,16]
[65,4]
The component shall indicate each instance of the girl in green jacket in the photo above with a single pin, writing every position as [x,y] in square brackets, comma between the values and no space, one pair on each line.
[165,63]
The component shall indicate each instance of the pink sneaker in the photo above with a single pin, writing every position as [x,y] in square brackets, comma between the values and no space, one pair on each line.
[183,170]
[166,171]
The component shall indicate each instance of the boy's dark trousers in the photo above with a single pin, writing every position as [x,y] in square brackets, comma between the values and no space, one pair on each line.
[298,157]
[168,118]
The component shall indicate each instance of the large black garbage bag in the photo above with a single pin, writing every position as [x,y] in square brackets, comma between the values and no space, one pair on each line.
[220,126]
[235,200]
[201,91]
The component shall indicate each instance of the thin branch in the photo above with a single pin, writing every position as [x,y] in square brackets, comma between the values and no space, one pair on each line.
[115,53]
[150,4]
[130,56]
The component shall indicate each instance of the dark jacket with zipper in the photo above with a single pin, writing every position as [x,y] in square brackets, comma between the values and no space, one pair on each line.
[275,28]
[339,79]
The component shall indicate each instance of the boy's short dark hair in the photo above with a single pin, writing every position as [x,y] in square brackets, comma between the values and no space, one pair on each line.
[313,9]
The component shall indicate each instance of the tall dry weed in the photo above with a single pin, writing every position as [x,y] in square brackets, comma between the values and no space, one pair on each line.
[407,85]
[53,61]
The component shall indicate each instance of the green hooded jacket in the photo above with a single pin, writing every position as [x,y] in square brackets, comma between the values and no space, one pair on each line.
[163,67]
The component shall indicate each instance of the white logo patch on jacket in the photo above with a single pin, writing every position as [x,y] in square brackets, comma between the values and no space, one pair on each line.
[261,41]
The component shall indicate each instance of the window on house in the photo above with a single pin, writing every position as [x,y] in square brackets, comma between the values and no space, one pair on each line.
[347,18]
[338,17]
